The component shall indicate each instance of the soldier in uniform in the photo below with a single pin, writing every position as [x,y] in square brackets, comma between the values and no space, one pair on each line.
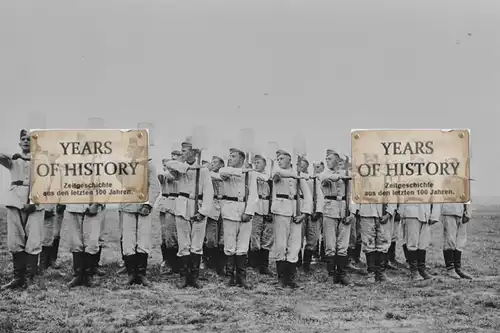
[310,229]
[24,219]
[336,225]
[287,188]
[261,240]
[191,225]
[418,219]
[455,217]
[319,167]
[238,208]
[214,250]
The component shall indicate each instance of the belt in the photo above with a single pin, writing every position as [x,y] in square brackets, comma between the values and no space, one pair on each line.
[265,197]
[168,195]
[235,199]
[333,197]
[186,195]
[289,197]
[19,183]
[219,197]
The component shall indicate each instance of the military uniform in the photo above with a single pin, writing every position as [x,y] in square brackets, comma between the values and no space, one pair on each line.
[455,217]
[24,221]
[136,223]
[191,227]
[417,221]
[288,230]
[48,236]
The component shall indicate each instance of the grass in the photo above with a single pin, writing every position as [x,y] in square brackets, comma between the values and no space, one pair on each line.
[438,306]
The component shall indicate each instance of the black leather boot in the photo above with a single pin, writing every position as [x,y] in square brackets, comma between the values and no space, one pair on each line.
[89,268]
[195,270]
[34,276]
[253,258]
[231,270]
[405,251]
[291,275]
[131,268]
[458,265]
[264,263]
[413,263]
[351,263]
[280,270]
[241,272]
[97,258]
[383,262]
[356,254]
[299,261]
[392,257]
[78,267]
[19,271]
[221,262]
[421,267]
[164,253]
[54,253]
[122,270]
[342,271]
[330,267]
[449,263]
[185,272]
[142,266]
[306,265]
[45,257]
[322,252]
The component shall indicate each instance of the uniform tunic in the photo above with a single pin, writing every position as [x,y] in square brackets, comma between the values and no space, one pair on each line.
[24,231]
[310,228]
[336,234]
[455,231]
[166,206]
[236,232]
[136,229]
[191,234]
[416,229]
[214,232]
[262,236]
[287,233]
[83,229]
[375,236]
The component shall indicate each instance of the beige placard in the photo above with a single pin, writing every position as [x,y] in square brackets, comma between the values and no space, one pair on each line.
[89,166]
[411,166]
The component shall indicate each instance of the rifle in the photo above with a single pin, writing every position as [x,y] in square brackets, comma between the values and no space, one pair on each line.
[315,195]
[247,137]
[199,142]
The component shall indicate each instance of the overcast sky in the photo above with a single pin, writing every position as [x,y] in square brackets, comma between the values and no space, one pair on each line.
[280,67]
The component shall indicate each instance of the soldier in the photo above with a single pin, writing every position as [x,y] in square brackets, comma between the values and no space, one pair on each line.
[310,229]
[287,188]
[190,222]
[24,219]
[418,219]
[84,226]
[319,167]
[336,225]
[238,208]
[262,237]
[170,192]
[455,217]
[214,249]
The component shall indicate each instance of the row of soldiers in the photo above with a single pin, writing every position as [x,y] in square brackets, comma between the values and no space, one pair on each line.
[228,214]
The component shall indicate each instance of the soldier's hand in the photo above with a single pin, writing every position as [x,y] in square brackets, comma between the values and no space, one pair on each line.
[161,178]
[246,218]
[197,217]
[299,219]
[29,208]
[145,210]
[60,209]
[397,217]
[316,216]
[385,218]
[465,219]
[93,209]
[224,176]
[348,220]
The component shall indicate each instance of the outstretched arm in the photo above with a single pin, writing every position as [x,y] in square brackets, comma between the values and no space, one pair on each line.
[6,160]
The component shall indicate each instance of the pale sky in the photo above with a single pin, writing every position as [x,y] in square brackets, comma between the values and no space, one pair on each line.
[326,66]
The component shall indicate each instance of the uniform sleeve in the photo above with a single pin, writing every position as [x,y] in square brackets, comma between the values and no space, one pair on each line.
[154,185]
[261,176]
[283,173]
[308,202]
[208,192]
[6,160]
[253,197]
[320,197]
[215,176]
[238,172]
[180,167]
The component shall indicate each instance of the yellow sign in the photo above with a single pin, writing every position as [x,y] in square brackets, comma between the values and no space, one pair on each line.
[411,166]
[89,166]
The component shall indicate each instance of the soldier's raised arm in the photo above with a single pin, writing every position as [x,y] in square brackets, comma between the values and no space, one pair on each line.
[207,192]
[154,185]
[6,160]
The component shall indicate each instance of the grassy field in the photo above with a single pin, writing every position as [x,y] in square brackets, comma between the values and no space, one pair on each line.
[437,306]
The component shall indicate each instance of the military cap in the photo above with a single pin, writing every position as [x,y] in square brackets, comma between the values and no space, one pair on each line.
[23,133]
[215,157]
[331,152]
[175,152]
[259,157]
[303,158]
[283,152]
[188,142]
[236,150]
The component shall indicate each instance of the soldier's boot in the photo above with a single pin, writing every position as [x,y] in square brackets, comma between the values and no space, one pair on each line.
[54,253]
[176,261]
[371,265]
[449,262]
[131,268]
[330,267]
[142,267]
[123,268]
[78,266]
[389,257]
[306,262]
[165,262]
[45,257]
[407,257]
[392,257]
[253,258]
[241,272]
[413,263]
[351,263]
[195,270]
[221,262]
[421,265]
[34,275]
[173,262]
[185,272]
[97,258]
[383,259]
[322,252]
[356,255]
[89,264]
[231,270]
[19,271]
[264,263]
[299,261]
[342,271]
[316,254]
[458,265]
[280,272]
[291,275]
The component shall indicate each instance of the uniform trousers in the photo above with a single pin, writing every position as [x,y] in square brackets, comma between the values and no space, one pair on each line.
[101,228]
[136,233]
[395,230]
[48,230]
[417,234]
[376,237]
[168,229]
[214,233]
[56,230]
[236,237]
[455,232]
[262,236]
[336,236]
[190,236]
[83,232]
[310,231]
[287,235]
[25,231]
